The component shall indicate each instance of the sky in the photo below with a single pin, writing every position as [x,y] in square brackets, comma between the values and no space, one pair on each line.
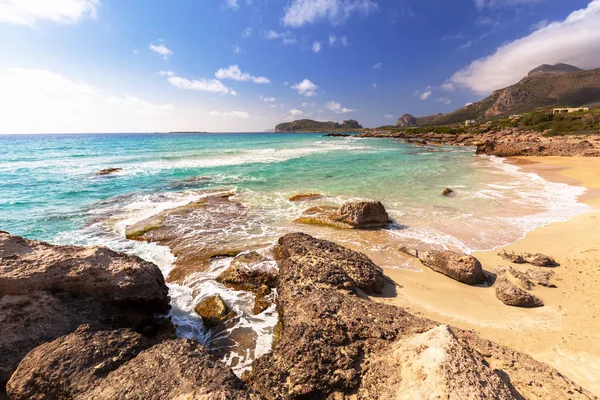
[78,66]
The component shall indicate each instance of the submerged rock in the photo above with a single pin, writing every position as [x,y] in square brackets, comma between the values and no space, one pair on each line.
[357,215]
[213,311]
[108,171]
[47,291]
[262,300]
[461,267]
[248,272]
[195,233]
[305,197]
[447,192]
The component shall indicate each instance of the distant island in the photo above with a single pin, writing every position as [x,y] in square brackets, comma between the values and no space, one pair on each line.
[309,125]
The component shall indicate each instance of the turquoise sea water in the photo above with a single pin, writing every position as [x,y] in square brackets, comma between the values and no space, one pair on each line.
[49,190]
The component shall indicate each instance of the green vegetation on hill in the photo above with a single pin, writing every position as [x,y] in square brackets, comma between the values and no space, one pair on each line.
[308,125]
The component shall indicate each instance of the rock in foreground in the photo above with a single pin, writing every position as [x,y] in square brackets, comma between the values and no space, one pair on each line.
[48,291]
[357,215]
[512,287]
[334,342]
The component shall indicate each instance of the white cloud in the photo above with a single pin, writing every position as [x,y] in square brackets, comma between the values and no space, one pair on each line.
[345,42]
[246,33]
[306,105]
[236,49]
[294,112]
[28,12]
[302,12]
[306,88]
[41,101]
[233,4]
[337,108]
[447,87]
[444,100]
[161,49]
[316,47]
[285,37]
[332,39]
[201,85]
[576,40]
[375,86]
[465,45]
[267,99]
[230,114]
[425,94]
[234,72]
[388,116]
[481,4]
[377,65]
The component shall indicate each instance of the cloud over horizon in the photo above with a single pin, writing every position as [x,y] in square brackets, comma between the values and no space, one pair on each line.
[575,40]
[302,12]
[27,12]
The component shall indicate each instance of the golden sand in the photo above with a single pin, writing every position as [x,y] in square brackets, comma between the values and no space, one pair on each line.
[565,333]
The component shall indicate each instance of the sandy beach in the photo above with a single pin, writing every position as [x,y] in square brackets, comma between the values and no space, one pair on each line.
[564,333]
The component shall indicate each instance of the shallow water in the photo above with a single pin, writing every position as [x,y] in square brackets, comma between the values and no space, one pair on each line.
[50,191]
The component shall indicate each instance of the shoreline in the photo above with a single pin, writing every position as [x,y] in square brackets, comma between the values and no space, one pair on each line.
[564,332]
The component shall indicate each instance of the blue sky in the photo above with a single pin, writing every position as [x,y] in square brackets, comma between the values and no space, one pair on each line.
[245,65]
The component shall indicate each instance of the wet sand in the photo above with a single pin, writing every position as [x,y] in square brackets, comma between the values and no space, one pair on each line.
[565,333]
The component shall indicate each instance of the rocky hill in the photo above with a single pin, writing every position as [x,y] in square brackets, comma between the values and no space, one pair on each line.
[559,85]
[309,125]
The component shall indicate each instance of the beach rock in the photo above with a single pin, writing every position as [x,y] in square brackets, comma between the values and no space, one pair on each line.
[512,257]
[109,171]
[248,272]
[353,215]
[540,276]
[332,342]
[305,197]
[73,364]
[179,228]
[512,295]
[447,192]
[463,268]
[537,259]
[433,364]
[48,291]
[262,300]
[213,311]
[174,369]
[540,260]
[409,251]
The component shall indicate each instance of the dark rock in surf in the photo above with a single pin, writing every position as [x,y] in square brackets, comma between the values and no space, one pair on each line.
[447,192]
[213,311]
[109,171]
[248,272]
[353,215]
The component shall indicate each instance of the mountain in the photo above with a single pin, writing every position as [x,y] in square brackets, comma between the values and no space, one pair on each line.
[308,125]
[559,85]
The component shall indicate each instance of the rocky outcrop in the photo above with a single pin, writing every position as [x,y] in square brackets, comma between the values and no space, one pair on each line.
[535,148]
[109,171]
[406,121]
[309,125]
[121,364]
[333,342]
[47,291]
[213,311]
[73,364]
[461,267]
[353,215]
[512,287]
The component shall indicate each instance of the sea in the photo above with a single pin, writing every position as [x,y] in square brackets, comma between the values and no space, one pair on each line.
[50,191]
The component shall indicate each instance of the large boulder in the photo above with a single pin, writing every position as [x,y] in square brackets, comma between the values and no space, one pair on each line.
[47,291]
[431,365]
[461,267]
[512,288]
[122,364]
[353,215]
[73,364]
[213,311]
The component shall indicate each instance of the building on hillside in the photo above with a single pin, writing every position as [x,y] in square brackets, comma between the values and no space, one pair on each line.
[470,122]
[567,110]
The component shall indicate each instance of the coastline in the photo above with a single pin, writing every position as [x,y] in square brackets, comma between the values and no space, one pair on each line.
[564,333]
